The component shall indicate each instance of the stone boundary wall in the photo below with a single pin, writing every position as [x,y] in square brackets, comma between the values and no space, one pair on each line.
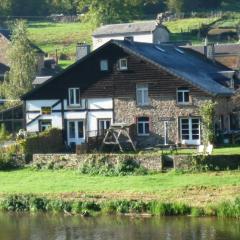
[74,161]
[212,162]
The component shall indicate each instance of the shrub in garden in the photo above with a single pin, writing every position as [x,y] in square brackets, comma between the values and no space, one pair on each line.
[101,165]
[49,141]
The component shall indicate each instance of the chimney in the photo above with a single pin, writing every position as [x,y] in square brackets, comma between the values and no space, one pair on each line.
[209,50]
[82,50]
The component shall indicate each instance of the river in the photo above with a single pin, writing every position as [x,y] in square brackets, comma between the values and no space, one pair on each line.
[58,227]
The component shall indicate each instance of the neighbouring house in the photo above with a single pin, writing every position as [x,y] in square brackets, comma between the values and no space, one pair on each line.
[158,88]
[149,31]
[227,54]
[5,39]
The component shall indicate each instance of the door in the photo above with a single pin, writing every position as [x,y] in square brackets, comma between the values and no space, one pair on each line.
[103,125]
[76,132]
[190,131]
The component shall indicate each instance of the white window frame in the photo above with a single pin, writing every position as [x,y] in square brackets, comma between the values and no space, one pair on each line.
[104,65]
[190,140]
[142,89]
[104,120]
[183,91]
[122,66]
[47,126]
[74,104]
[144,126]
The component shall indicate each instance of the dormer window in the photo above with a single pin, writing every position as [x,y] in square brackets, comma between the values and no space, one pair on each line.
[123,64]
[104,65]
[74,97]
[183,96]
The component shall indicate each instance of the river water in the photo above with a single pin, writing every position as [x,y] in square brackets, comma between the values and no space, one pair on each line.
[59,227]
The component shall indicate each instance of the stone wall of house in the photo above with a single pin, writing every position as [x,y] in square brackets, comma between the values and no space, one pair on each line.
[161,109]
[74,161]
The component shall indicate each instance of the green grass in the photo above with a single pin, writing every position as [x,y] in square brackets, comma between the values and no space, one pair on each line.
[184,25]
[46,181]
[62,36]
[231,150]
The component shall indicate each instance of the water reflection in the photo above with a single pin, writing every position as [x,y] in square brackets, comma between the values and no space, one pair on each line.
[58,227]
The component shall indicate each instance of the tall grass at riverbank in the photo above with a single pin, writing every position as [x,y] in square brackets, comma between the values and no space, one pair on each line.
[31,203]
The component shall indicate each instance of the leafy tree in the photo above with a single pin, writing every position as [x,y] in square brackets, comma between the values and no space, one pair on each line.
[112,11]
[207,112]
[175,5]
[22,61]
[5,7]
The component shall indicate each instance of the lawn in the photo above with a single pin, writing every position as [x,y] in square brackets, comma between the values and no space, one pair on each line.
[61,36]
[200,187]
[228,150]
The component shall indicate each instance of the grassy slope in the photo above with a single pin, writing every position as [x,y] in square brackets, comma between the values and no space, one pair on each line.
[200,188]
[64,36]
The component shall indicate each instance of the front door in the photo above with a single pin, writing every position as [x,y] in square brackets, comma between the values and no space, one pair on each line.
[76,132]
[190,131]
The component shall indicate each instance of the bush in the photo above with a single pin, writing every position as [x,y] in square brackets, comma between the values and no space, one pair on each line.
[100,165]
[4,135]
[49,141]
[10,161]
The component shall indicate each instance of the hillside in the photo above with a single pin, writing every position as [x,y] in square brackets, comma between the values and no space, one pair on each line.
[63,37]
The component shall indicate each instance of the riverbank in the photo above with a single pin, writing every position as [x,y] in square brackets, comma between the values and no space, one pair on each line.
[199,189]
[33,203]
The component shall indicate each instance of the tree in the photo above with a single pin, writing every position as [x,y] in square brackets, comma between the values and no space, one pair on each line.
[207,111]
[175,5]
[112,11]
[22,61]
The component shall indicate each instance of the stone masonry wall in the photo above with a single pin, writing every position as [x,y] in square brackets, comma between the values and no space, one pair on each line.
[161,108]
[74,161]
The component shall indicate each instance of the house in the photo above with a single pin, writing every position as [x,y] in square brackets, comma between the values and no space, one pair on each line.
[5,39]
[149,31]
[158,88]
[227,54]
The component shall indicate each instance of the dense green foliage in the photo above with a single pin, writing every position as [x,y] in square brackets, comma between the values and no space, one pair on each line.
[22,60]
[49,141]
[99,165]
[108,10]
[31,203]
[207,112]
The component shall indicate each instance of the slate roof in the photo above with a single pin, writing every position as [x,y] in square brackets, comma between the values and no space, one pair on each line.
[7,34]
[126,28]
[186,64]
[220,48]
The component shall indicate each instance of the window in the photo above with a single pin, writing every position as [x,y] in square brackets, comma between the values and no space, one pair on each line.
[44,125]
[143,126]
[74,96]
[190,130]
[123,64]
[104,65]
[183,95]
[103,125]
[142,94]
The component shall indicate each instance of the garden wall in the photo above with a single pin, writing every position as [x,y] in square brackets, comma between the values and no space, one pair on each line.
[74,161]
[150,162]
[211,162]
